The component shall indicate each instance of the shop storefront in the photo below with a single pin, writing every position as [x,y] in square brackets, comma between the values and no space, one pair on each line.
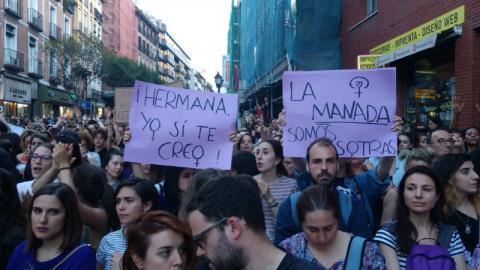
[16,95]
[58,101]
[430,86]
[100,107]
[425,62]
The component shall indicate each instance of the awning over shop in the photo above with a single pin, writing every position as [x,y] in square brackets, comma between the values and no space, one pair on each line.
[423,44]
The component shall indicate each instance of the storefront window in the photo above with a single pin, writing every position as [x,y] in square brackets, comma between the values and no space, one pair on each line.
[430,88]
[13,109]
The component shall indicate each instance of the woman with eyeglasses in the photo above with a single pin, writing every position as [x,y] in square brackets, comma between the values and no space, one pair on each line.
[41,161]
[158,240]
[133,197]
[54,229]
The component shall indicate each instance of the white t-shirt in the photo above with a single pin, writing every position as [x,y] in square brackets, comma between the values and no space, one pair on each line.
[26,186]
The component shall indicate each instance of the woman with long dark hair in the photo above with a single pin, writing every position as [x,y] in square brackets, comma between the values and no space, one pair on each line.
[133,197]
[419,220]
[54,230]
[176,182]
[274,184]
[12,231]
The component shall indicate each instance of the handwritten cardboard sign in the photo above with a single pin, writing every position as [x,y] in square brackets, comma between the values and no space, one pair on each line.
[180,127]
[354,108]
[123,98]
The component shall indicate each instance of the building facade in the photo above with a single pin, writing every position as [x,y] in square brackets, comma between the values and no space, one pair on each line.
[433,46]
[30,83]
[173,62]
[147,35]
[119,27]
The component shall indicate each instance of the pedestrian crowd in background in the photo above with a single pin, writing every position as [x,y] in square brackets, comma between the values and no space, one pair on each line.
[69,201]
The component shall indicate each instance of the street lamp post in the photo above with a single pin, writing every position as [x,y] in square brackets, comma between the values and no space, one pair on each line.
[218,81]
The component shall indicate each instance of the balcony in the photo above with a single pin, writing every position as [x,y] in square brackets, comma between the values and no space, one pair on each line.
[35,19]
[161,70]
[66,36]
[54,75]
[177,68]
[35,68]
[98,15]
[162,42]
[171,74]
[13,7]
[13,60]
[55,31]
[163,57]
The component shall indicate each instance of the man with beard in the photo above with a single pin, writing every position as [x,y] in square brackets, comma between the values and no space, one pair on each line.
[228,224]
[322,167]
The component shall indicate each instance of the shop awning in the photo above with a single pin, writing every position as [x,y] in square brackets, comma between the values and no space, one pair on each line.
[421,45]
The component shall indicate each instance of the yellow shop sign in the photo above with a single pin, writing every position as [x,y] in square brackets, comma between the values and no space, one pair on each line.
[439,24]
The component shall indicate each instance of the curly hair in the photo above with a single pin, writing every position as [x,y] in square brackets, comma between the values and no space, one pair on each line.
[446,166]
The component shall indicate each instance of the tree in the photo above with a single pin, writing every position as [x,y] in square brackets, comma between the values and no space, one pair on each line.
[77,61]
[122,72]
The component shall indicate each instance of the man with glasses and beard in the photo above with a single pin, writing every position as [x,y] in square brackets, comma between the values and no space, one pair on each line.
[228,225]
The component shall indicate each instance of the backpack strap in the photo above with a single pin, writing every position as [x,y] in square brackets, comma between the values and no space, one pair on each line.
[293,203]
[345,201]
[69,255]
[445,236]
[356,250]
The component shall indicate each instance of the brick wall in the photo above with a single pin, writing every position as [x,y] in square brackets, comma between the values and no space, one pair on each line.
[395,17]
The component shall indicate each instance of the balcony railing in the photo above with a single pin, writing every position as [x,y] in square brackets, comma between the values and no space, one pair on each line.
[13,59]
[66,36]
[55,31]
[162,70]
[54,75]
[85,30]
[35,19]
[163,57]
[14,7]
[35,68]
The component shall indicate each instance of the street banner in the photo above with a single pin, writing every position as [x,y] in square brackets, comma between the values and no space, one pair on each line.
[123,98]
[180,127]
[354,108]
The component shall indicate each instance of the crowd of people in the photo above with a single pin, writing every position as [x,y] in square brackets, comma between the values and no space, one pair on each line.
[69,201]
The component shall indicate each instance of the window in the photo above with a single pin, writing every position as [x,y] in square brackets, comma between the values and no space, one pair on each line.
[430,87]
[33,55]
[371,7]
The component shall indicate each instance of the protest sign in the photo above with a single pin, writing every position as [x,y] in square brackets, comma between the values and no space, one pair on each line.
[354,108]
[180,127]
[123,98]
[16,129]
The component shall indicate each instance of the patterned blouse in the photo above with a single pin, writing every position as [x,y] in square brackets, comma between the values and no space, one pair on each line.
[297,245]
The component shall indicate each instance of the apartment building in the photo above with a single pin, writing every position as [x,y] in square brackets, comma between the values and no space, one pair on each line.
[147,33]
[30,83]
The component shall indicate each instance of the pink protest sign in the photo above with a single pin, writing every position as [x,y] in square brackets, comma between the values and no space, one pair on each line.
[354,108]
[180,127]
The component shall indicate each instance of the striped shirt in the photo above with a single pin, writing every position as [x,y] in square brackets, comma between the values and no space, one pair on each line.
[386,237]
[114,241]
[280,190]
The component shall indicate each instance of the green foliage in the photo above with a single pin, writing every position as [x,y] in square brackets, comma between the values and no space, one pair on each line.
[122,72]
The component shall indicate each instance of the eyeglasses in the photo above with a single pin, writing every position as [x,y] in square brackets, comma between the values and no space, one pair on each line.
[35,157]
[443,141]
[197,238]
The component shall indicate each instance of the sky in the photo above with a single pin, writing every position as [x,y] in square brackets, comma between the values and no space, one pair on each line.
[199,27]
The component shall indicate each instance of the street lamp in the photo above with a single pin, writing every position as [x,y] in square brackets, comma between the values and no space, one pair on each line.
[218,81]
